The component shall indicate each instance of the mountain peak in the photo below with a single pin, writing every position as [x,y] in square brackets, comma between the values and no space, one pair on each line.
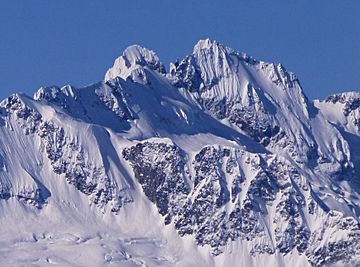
[221,162]
[208,44]
[133,57]
[205,43]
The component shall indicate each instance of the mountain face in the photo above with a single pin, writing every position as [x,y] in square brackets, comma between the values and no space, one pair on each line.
[222,161]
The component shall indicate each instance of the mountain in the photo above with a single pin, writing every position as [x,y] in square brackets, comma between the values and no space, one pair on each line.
[222,161]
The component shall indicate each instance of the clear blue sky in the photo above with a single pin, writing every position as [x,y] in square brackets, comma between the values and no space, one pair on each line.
[75,41]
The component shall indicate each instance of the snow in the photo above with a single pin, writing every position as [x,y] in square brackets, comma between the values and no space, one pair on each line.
[130,63]
[48,215]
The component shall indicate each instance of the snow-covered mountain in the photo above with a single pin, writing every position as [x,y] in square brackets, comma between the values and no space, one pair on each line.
[222,161]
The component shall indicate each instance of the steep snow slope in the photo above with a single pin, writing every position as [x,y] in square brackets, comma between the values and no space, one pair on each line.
[343,110]
[223,161]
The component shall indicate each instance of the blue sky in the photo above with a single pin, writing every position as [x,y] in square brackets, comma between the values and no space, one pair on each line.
[75,41]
